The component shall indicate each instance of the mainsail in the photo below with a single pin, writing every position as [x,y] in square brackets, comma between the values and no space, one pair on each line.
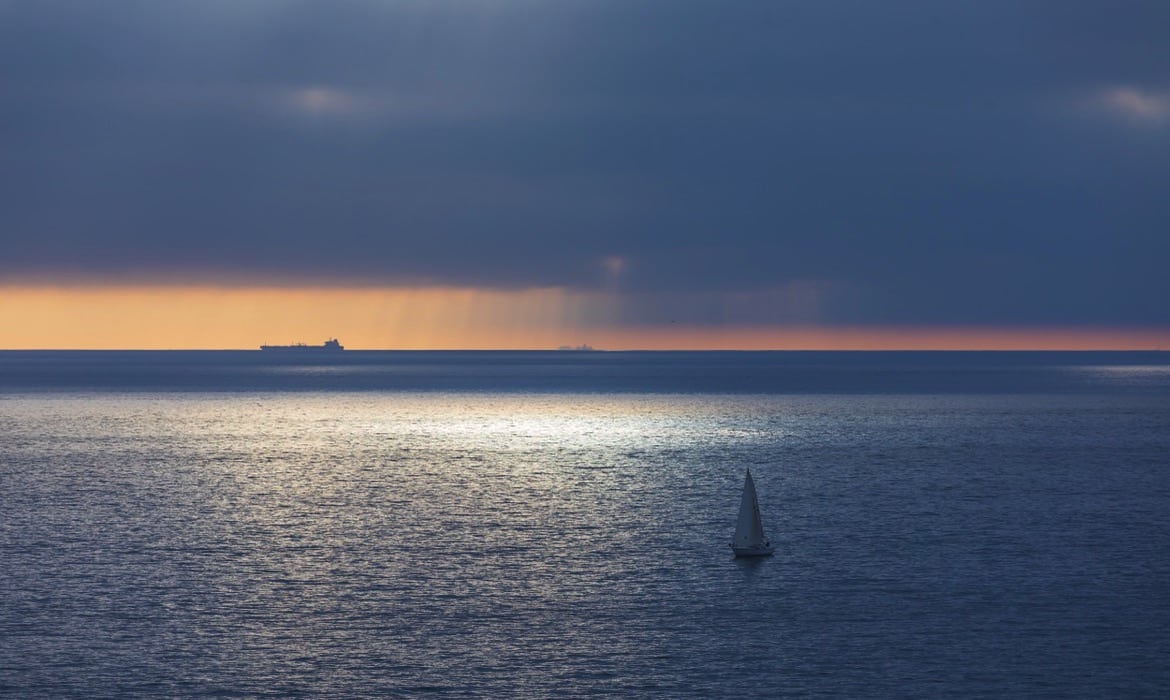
[749,529]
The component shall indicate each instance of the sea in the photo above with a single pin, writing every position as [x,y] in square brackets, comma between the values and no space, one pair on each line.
[556,524]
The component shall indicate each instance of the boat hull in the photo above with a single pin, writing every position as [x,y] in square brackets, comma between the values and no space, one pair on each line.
[331,345]
[760,551]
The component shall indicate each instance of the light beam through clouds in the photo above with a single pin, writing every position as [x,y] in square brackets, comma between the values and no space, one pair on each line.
[173,317]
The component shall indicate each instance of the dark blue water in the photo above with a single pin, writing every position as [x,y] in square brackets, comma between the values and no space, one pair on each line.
[536,371]
[536,524]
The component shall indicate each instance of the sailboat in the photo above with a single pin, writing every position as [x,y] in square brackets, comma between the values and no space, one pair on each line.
[749,540]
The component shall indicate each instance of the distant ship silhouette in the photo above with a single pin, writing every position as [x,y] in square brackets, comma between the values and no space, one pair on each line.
[331,345]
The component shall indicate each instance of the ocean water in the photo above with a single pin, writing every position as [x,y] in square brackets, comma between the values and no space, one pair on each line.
[239,525]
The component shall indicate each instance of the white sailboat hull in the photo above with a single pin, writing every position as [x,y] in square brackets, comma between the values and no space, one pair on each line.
[763,550]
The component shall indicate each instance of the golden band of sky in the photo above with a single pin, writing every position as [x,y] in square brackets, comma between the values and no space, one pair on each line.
[196,317]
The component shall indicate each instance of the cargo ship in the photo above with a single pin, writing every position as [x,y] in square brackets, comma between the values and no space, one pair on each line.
[331,345]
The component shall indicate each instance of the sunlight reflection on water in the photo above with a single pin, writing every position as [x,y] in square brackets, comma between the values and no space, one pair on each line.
[500,544]
[1127,370]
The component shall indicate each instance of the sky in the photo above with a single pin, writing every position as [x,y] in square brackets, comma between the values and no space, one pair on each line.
[623,173]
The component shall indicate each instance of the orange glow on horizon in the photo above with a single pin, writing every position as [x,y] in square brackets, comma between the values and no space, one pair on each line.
[196,317]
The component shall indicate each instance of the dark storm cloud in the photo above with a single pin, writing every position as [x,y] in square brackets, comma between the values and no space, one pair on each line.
[962,162]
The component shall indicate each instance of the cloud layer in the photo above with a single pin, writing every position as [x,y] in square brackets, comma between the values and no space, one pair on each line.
[759,162]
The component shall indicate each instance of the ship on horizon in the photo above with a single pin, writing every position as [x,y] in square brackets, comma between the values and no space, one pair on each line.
[331,345]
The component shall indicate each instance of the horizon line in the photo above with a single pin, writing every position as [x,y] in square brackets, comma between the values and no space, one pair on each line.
[574,351]
[421,319]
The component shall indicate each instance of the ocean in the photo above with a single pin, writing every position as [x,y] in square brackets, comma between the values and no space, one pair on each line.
[556,524]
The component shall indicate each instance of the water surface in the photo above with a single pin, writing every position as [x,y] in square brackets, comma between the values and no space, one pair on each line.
[539,524]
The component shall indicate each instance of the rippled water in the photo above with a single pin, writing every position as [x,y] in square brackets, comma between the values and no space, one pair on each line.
[492,542]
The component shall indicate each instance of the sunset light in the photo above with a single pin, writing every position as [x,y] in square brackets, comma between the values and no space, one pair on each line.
[163,317]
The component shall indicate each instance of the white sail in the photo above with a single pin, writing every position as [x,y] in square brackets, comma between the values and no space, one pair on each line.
[749,528]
